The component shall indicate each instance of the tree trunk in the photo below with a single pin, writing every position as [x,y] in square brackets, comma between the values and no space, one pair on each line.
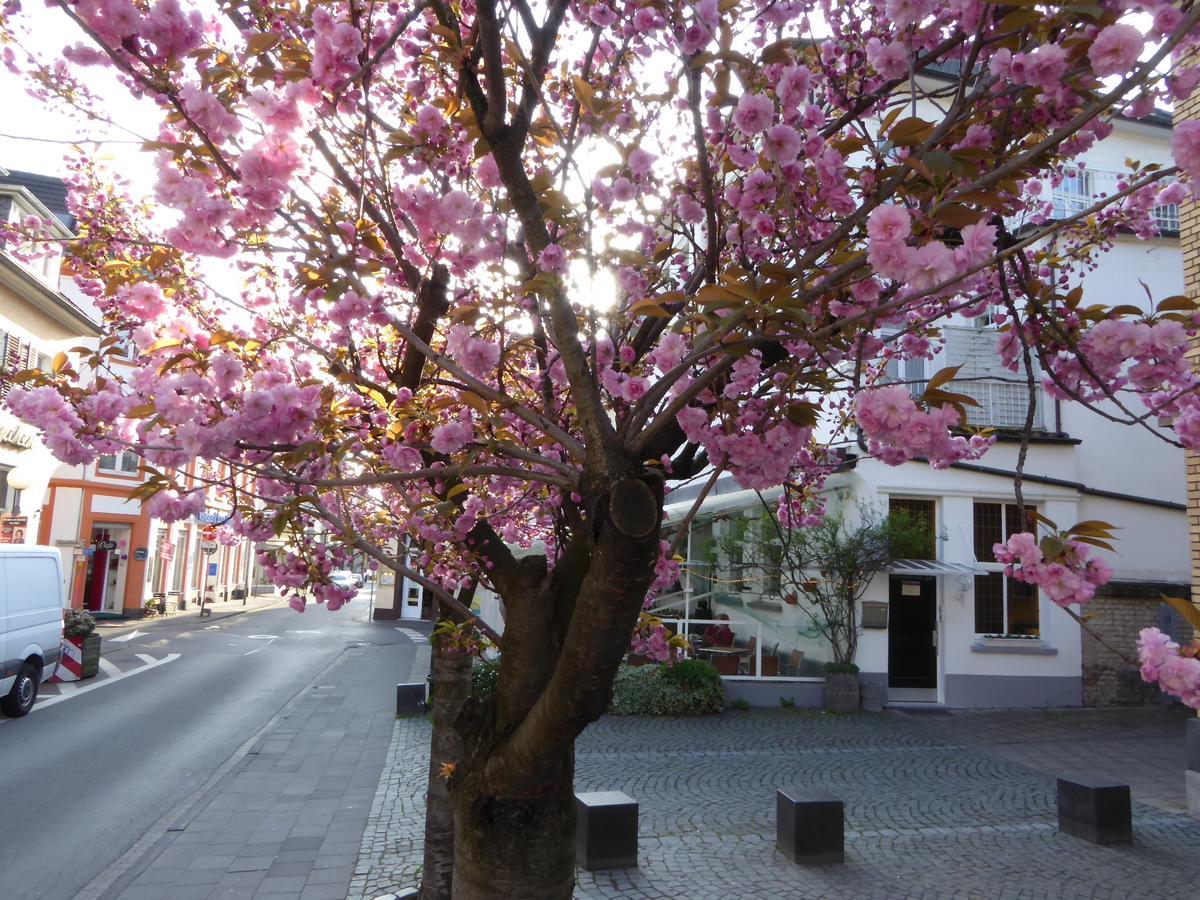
[451,686]
[522,846]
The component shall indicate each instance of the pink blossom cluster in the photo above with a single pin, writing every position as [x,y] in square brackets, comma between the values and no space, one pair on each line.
[1164,664]
[897,431]
[929,265]
[477,356]
[1071,577]
[336,46]
[45,408]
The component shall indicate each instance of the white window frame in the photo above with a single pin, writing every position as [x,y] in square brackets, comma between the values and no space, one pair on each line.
[127,458]
[989,567]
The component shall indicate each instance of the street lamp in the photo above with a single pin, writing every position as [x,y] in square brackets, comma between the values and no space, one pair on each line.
[19,479]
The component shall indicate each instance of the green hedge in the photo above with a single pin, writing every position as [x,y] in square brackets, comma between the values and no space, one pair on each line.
[484,676]
[688,688]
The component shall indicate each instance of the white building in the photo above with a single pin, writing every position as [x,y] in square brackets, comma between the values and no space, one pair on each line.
[37,321]
[952,630]
[116,558]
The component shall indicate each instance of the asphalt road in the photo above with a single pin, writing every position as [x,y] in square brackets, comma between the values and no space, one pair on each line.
[84,776]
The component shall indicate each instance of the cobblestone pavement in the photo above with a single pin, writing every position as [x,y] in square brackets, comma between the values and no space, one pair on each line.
[958,805]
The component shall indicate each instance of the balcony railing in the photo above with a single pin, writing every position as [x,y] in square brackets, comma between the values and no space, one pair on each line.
[1003,396]
[1080,190]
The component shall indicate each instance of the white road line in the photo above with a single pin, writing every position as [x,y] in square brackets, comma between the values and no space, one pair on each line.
[301,631]
[146,658]
[127,637]
[410,633]
[108,668]
[153,664]
[65,687]
[263,647]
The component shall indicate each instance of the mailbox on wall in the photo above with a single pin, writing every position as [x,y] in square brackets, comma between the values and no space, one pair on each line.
[874,614]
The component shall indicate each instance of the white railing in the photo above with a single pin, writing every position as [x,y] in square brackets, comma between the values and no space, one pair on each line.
[1003,396]
[1081,189]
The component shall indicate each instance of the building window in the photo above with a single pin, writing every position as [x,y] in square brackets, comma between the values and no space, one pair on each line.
[10,499]
[923,512]
[1073,194]
[127,465]
[1002,605]
[16,355]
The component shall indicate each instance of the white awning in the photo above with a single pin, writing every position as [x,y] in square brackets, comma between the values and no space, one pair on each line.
[929,567]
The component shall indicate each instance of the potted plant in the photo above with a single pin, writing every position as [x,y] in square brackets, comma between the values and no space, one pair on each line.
[842,689]
[79,630]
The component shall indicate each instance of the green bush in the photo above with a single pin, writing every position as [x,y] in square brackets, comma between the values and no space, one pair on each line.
[689,688]
[834,668]
[484,677]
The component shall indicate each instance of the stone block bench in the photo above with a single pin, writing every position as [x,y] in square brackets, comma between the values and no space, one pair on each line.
[606,830]
[810,825]
[1095,809]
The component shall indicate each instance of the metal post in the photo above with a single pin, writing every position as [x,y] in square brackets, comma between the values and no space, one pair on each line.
[758,650]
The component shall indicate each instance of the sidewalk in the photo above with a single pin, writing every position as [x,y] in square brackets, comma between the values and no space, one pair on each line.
[961,805]
[284,819]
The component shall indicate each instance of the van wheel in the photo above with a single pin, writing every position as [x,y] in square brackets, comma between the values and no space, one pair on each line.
[23,694]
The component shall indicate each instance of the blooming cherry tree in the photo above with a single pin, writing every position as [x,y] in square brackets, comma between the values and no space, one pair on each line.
[513,270]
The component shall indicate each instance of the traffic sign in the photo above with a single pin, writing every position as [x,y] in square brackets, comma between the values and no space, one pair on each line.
[209,533]
[209,547]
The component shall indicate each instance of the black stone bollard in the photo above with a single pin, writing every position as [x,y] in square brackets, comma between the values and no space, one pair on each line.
[1095,810]
[810,826]
[410,699]
[606,830]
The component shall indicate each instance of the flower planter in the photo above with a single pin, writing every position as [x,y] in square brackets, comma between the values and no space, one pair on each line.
[842,692]
[80,658]
[89,655]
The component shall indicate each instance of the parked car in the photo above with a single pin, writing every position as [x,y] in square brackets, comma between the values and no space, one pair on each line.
[358,579]
[344,578]
[31,621]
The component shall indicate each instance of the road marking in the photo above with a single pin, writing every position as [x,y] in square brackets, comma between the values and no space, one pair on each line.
[410,633]
[269,638]
[301,631]
[211,627]
[146,658]
[108,668]
[153,664]
[127,637]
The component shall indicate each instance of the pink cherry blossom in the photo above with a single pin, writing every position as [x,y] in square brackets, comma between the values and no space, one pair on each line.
[1185,146]
[753,113]
[451,437]
[1115,49]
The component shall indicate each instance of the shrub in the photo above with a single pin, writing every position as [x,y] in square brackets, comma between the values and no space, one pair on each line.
[484,677]
[741,704]
[834,668]
[688,688]
[77,623]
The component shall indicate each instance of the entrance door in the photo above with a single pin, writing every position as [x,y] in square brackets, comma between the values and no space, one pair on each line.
[104,589]
[412,600]
[912,633]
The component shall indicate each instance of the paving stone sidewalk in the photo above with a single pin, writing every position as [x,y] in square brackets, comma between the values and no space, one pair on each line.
[959,805]
[286,821]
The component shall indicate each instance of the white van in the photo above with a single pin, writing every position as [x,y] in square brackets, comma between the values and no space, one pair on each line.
[31,605]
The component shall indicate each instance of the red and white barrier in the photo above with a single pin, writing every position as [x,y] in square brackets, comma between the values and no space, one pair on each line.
[70,663]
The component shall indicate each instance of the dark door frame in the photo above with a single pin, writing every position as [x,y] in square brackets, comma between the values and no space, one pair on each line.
[912,626]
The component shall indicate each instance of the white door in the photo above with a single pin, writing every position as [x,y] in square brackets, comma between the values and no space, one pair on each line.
[412,601]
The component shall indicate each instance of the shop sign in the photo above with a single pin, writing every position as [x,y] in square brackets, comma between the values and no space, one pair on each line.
[16,436]
[106,545]
[140,554]
[166,550]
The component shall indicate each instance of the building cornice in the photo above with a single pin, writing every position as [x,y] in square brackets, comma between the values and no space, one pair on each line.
[46,299]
